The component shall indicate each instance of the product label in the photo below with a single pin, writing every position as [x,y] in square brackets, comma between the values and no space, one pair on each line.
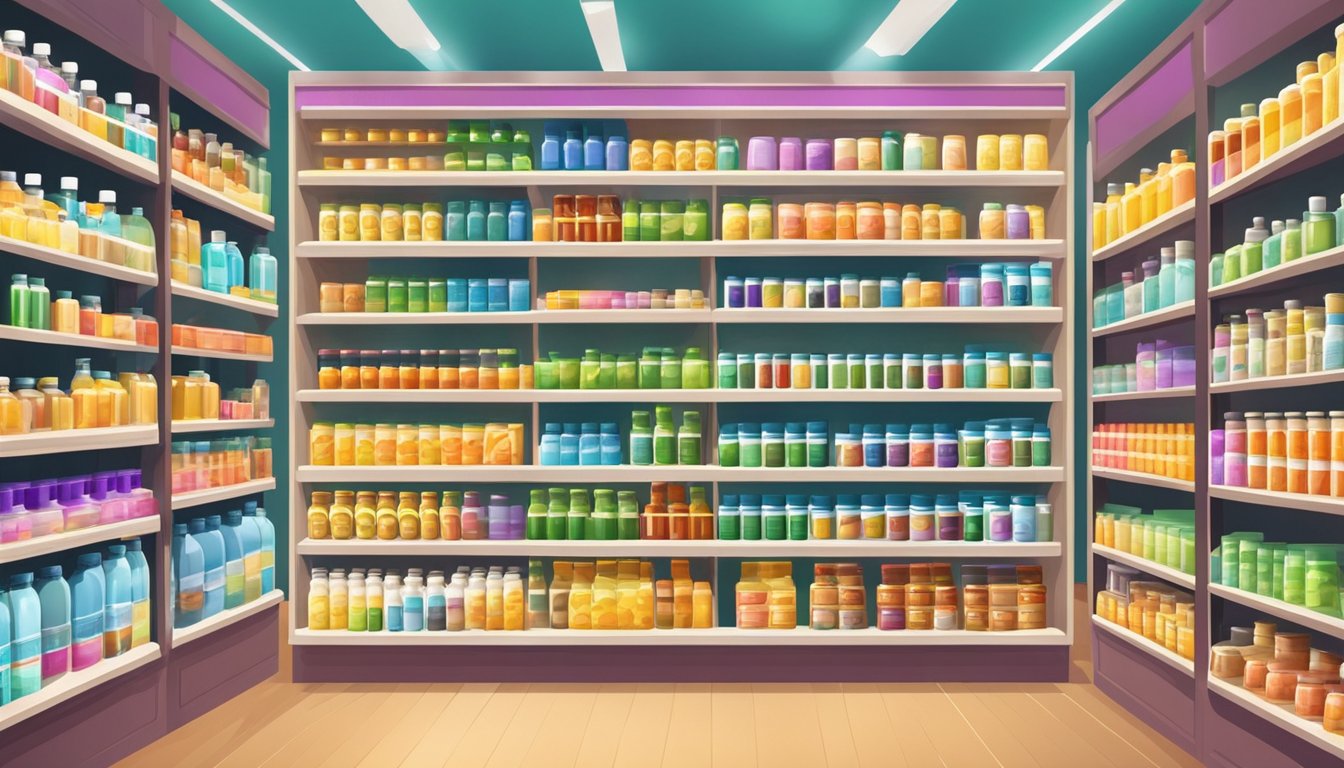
[213,579]
[88,626]
[413,613]
[55,638]
[27,649]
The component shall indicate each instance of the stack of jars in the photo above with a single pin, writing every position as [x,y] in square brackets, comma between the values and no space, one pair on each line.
[966,285]
[1298,574]
[411,516]
[647,221]
[1157,611]
[393,445]
[418,295]
[1284,670]
[975,369]
[766,597]
[759,219]
[201,464]
[31,306]
[1164,536]
[658,298]
[421,369]
[1287,342]
[1130,206]
[195,396]
[455,220]
[1282,452]
[221,340]
[1163,450]
[653,368]
[597,219]
[1157,365]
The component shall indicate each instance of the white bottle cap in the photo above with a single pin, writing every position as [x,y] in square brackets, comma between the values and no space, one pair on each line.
[1276,226]
[216,235]
[88,85]
[32,179]
[70,182]
[1316,204]
[121,97]
[142,109]
[15,37]
[8,176]
[70,67]
[107,196]
[41,49]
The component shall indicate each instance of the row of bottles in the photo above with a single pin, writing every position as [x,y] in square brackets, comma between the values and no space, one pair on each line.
[1266,248]
[50,626]
[220,563]
[1129,206]
[195,396]
[233,172]
[63,222]
[201,464]
[95,399]
[31,306]
[218,265]
[37,508]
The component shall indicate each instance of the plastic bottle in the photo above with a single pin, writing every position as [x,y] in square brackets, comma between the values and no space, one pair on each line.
[19,301]
[188,577]
[373,600]
[1318,229]
[44,516]
[319,602]
[215,263]
[53,593]
[357,604]
[26,636]
[212,553]
[117,606]
[5,657]
[140,617]
[236,271]
[87,590]
[39,304]
[262,278]
[116,118]
[413,602]
[234,575]
[436,603]
[267,530]
[338,600]
[393,610]
[572,151]
[11,411]
[110,221]
[1252,248]
[249,535]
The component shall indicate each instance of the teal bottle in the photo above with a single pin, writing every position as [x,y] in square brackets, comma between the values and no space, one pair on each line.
[263,274]
[117,605]
[188,577]
[25,636]
[250,536]
[4,648]
[212,553]
[110,224]
[237,275]
[266,529]
[233,561]
[215,263]
[87,595]
[1273,249]
[140,616]
[54,596]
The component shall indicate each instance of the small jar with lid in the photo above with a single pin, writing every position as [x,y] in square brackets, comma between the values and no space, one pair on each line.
[930,222]
[951,224]
[328,228]
[736,222]
[760,219]
[1035,152]
[954,153]
[1017,223]
[1010,152]
[846,154]
[370,222]
[849,291]
[870,223]
[993,222]
[791,223]
[820,221]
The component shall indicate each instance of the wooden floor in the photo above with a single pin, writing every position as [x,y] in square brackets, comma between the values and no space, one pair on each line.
[280,724]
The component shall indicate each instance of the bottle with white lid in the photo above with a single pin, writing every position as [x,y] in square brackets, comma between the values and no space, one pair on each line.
[19,69]
[116,118]
[215,263]
[1318,228]
[111,221]
[338,600]
[147,143]
[93,119]
[392,608]
[1252,249]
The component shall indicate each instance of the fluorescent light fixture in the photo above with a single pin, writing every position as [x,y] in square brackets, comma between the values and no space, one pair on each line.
[601,18]
[247,24]
[402,25]
[907,23]
[1078,33]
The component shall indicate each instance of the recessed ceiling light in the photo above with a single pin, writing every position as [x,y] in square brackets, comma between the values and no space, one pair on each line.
[907,23]
[1078,33]
[402,25]
[247,24]
[601,18]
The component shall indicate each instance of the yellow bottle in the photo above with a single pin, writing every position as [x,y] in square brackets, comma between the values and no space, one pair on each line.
[319,607]
[366,516]
[474,601]
[1147,195]
[1326,64]
[1130,209]
[208,393]
[1113,218]
[59,407]
[319,515]
[644,599]
[1098,225]
[702,606]
[386,516]
[429,515]
[1251,150]
[515,603]
[65,313]
[1290,107]
[1313,106]
[111,400]
[34,404]
[627,593]
[1269,127]
[11,411]
[338,601]
[10,191]
[494,599]
[408,517]
[1163,188]
[604,596]
[342,515]
[581,596]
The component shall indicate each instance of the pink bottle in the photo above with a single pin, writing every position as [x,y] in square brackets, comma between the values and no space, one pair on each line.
[14,522]
[79,512]
[113,507]
[44,514]
[142,499]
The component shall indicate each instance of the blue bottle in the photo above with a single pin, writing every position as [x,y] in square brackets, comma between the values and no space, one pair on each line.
[496,221]
[593,150]
[233,561]
[550,445]
[618,153]
[54,596]
[110,224]
[87,593]
[249,534]
[267,544]
[25,636]
[237,275]
[569,445]
[550,147]
[457,294]
[573,150]
[212,553]
[188,577]
[117,605]
[263,274]
[4,648]
[496,294]
[455,220]
[518,221]
[135,555]
[476,220]
[478,294]
[590,449]
[215,263]
[610,445]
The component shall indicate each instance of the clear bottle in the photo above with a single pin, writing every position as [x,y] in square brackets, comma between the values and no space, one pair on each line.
[413,601]
[455,602]
[215,263]
[515,609]
[338,600]
[319,605]
[394,614]
[373,598]
[33,404]
[116,118]
[93,118]
[475,600]
[357,612]
[263,278]
[436,603]
[236,272]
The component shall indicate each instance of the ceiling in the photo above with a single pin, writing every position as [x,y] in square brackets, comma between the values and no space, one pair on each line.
[695,35]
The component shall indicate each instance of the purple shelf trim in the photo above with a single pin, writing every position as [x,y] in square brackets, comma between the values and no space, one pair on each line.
[1146,103]
[1244,24]
[1162,697]
[191,69]
[681,96]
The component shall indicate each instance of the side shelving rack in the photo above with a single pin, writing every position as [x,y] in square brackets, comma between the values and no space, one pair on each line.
[1020,102]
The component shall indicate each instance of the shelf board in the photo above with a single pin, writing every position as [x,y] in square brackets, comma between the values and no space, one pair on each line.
[220,202]
[999,249]
[1166,573]
[679,396]
[682,637]
[76,440]
[73,684]
[1298,614]
[35,336]
[527,473]
[1278,382]
[263,308]
[1282,273]
[994,315]
[1177,217]
[1185,309]
[742,178]
[1322,145]
[28,118]
[1330,505]
[711,548]
[639,112]
[209,495]
[1170,658]
[76,262]
[216,354]
[1155,394]
[1142,478]
[225,618]
[62,542]
[1282,715]
[183,427]
[556,317]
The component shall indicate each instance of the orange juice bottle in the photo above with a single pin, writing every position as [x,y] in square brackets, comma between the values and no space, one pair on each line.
[11,411]
[58,407]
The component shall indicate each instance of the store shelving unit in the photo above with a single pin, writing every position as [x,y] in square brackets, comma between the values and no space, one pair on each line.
[890,101]
[118,705]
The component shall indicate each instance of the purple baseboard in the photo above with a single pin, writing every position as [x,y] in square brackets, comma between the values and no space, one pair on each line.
[1161,696]
[769,664]
[210,671]
[1237,738]
[96,728]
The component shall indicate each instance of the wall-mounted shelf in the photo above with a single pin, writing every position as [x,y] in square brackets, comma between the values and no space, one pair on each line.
[1278,382]
[1179,216]
[184,427]
[76,440]
[64,542]
[226,618]
[36,336]
[1153,394]
[32,120]
[743,178]
[1182,311]
[1297,614]
[1143,478]
[525,473]
[219,354]
[1170,658]
[201,193]
[1324,144]
[1288,270]
[223,493]
[1329,505]
[74,261]
[679,396]
[1166,573]
[714,636]
[262,308]
[686,548]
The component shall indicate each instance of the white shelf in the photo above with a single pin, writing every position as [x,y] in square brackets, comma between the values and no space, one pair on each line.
[1278,382]
[1155,394]
[220,202]
[994,315]
[678,396]
[527,473]
[997,315]
[1142,478]
[36,336]
[1175,312]
[1330,505]
[62,542]
[714,112]
[28,118]
[75,683]
[216,354]
[209,495]
[688,548]
[225,618]
[1298,614]
[76,262]
[715,636]
[1170,658]
[1282,715]
[742,178]
[75,440]
[182,427]
[1297,156]
[1282,273]
[263,308]
[1173,219]
[1166,573]
[1005,249]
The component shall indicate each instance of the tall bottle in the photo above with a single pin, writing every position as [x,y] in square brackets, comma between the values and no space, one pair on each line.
[250,536]
[116,118]
[5,658]
[215,263]
[263,270]
[110,222]
[234,573]
[87,594]
[538,608]
[393,610]
[117,611]
[54,596]
[93,119]
[212,553]
[26,636]
[338,600]
[135,556]
[189,581]
[236,271]
[357,611]
[436,604]
[413,601]
[319,602]
[267,529]
[373,597]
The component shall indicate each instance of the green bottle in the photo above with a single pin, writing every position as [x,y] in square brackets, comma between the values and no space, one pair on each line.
[664,437]
[630,226]
[19,298]
[650,369]
[650,221]
[1318,232]
[688,439]
[627,515]
[39,304]
[1292,240]
[695,223]
[579,512]
[669,370]
[557,513]
[397,298]
[641,439]
[417,296]
[604,515]
[536,516]
[438,296]
[1252,250]
[891,151]
[1273,245]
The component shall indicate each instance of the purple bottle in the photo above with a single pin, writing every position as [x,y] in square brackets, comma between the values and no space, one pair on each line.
[1019,223]
[14,524]
[818,155]
[76,508]
[790,154]
[762,154]
[517,521]
[498,515]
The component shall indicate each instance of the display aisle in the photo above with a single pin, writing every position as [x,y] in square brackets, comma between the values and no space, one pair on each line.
[660,300]
[103,286]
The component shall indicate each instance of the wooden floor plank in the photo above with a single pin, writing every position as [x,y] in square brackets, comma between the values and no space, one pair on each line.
[1099,736]
[1001,740]
[449,727]
[314,743]
[398,741]
[1042,734]
[732,722]
[601,735]
[521,731]
[915,733]
[480,740]
[787,730]
[833,720]
[689,726]
[313,705]
[874,739]
[225,724]
[1129,727]
[560,733]
[361,740]
[645,732]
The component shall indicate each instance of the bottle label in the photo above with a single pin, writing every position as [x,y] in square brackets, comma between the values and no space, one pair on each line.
[394,618]
[413,613]
[214,579]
